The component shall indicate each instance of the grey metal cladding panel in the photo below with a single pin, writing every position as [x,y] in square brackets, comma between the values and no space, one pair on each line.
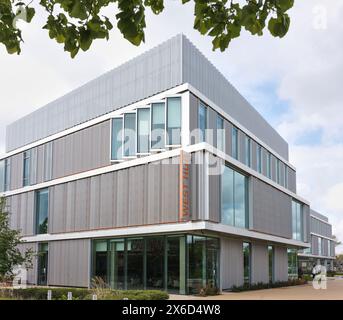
[33,166]
[138,193]
[81,151]
[211,137]
[264,161]
[95,203]
[123,198]
[231,263]
[201,74]
[109,199]
[154,193]
[307,223]
[259,263]
[31,272]
[194,187]
[16,171]
[254,155]
[58,208]
[82,204]
[280,263]
[69,263]
[321,228]
[292,180]
[325,247]
[272,211]
[319,215]
[26,214]
[154,71]
[70,211]
[214,190]
[314,245]
[170,191]
[241,146]
[333,249]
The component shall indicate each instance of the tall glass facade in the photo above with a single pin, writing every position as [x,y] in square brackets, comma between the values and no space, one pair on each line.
[259,159]
[2,175]
[269,165]
[271,263]
[248,151]
[143,130]
[247,262]
[234,143]
[202,122]
[42,211]
[129,134]
[292,263]
[117,138]
[234,198]
[157,126]
[297,221]
[177,263]
[174,120]
[220,133]
[320,251]
[43,258]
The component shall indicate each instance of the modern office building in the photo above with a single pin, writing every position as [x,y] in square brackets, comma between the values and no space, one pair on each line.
[158,174]
[322,249]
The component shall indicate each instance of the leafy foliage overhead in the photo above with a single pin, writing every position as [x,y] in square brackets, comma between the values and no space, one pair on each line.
[77,23]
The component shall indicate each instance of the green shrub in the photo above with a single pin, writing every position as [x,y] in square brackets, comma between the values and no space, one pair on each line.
[260,285]
[136,295]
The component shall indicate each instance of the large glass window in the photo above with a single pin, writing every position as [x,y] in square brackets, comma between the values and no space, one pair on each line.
[2,175]
[329,248]
[129,134]
[42,211]
[100,260]
[143,130]
[269,165]
[271,263]
[259,159]
[117,264]
[277,168]
[203,254]
[234,198]
[246,262]
[135,263]
[155,262]
[297,221]
[320,246]
[292,263]
[157,126]
[117,139]
[286,176]
[248,151]
[26,168]
[220,133]
[202,119]
[43,258]
[174,120]
[175,258]
[234,143]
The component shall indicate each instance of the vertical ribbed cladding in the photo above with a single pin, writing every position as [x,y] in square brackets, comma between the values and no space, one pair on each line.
[198,71]
[154,71]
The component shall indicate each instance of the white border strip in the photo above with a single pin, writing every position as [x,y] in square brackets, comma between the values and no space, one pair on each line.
[166,228]
[156,157]
[324,237]
[173,91]
[314,256]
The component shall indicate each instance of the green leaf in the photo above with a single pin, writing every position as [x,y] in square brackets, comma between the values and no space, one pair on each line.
[30,12]
[279,26]
[79,11]
[285,4]
[85,39]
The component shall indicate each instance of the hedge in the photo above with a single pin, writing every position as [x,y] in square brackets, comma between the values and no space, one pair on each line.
[260,285]
[81,294]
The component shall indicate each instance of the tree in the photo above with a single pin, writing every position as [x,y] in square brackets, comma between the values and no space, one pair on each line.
[10,255]
[77,23]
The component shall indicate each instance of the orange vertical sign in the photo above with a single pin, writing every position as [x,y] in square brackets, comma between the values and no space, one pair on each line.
[184,209]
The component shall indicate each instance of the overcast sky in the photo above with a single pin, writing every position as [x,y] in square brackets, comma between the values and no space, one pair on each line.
[294,82]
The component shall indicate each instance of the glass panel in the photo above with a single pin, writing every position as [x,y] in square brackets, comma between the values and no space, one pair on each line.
[117,139]
[212,261]
[43,258]
[240,200]
[42,211]
[227,202]
[259,159]
[129,134]
[2,175]
[135,263]
[196,263]
[173,253]
[117,264]
[202,122]
[100,263]
[246,262]
[271,263]
[297,221]
[26,168]
[220,133]
[286,176]
[234,145]
[269,165]
[143,130]
[155,263]
[157,125]
[319,246]
[277,163]
[292,263]
[248,151]
[174,120]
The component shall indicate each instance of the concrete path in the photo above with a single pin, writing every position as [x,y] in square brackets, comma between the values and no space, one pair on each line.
[334,291]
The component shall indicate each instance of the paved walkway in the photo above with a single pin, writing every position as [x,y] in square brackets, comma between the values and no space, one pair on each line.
[334,291]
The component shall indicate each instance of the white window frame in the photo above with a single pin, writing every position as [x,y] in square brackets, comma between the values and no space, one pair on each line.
[154,150]
[122,118]
[166,119]
[143,153]
[123,136]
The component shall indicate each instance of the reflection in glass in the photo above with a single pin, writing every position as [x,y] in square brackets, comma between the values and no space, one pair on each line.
[234,143]
[157,126]
[117,139]
[42,211]
[202,120]
[155,262]
[43,258]
[143,130]
[271,263]
[135,263]
[129,134]
[246,262]
[117,264]
[174,120]
[220,133]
